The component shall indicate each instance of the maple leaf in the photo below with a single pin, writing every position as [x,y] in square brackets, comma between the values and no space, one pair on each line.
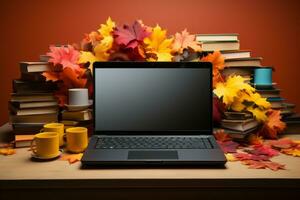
[273,125]
[65,56]
[283,143]
[51,76]
[292,151]
[255,139]
[221,136]
[238,102]
[158,44]
[229,90]
[71,79]
[230,157]
[263,150]
[71,158]
[258,100]
[218,63]
[131,36]
[228,146]
[107,29]
[263,165]
[259,114]
[7,151]
[247,156]
[185,40]
[90,40]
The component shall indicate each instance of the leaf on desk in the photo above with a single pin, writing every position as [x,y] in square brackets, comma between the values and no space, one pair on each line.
[247,156]
[292,151]
[263,150]
[255,139]
[7,151]
[273,125]
[72,158]
[284,143]
[263,165]
[228,146]
[230,157]
[221,136]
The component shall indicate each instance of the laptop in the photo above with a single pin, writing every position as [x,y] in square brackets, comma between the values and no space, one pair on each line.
[153,113]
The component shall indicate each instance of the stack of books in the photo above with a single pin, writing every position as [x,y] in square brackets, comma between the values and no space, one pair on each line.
[240,62]
[32,102]
[239,124]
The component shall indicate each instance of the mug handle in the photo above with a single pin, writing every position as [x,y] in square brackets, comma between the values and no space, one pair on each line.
[33,146]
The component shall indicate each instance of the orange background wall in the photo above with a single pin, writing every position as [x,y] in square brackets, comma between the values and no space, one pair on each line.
[270,28]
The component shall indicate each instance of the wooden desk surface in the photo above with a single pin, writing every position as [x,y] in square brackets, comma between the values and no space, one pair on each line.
[19,171]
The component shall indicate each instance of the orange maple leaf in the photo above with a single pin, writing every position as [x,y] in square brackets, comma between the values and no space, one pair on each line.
[71,158]
[273,125]
[7,151]
[218,63]
[221,136]
[184,40]
[254,139]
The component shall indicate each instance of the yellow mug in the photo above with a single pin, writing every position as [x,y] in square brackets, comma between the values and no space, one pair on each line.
[45,145]
[77,139]
[55,127]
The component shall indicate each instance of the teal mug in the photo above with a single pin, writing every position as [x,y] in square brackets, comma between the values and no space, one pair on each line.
[263,76]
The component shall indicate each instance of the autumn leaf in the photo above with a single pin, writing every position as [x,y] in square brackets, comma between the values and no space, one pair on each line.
[255,139]
[65,56]
[259,114]
[7,151]
[263,165]
[238,103]
[221,136]
[158,44]
[273,125]
[228,146]
[71,158]
[218,63]
[184,40]
[259,101]
[247,156]
[263,150]
[292,151]
[107,29]
[218,108]
[283,143]
[51,76]
[131,36]
[230,89]
[230,157]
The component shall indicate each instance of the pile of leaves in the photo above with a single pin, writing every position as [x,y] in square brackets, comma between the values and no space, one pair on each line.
[257,153]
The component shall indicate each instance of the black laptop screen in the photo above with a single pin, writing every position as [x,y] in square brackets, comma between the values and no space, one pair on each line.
[153,99]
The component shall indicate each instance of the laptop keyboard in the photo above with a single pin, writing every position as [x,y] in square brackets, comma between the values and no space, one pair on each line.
[157,142]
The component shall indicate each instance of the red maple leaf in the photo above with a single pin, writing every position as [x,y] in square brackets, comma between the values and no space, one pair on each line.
[283,143]
[228,146]
[263,150]
[131,36]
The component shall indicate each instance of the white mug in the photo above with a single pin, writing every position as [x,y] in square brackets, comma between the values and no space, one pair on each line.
[78,96]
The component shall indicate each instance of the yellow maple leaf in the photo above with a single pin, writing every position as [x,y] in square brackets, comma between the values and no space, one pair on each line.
[238,103]
[231,87]
[293,151]
[88,57]
[258,113]
[258,100]
[106,29]
[230,157]
[158,44]
[71,158]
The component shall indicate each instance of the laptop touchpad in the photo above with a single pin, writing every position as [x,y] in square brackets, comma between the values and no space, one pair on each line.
[152,155]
